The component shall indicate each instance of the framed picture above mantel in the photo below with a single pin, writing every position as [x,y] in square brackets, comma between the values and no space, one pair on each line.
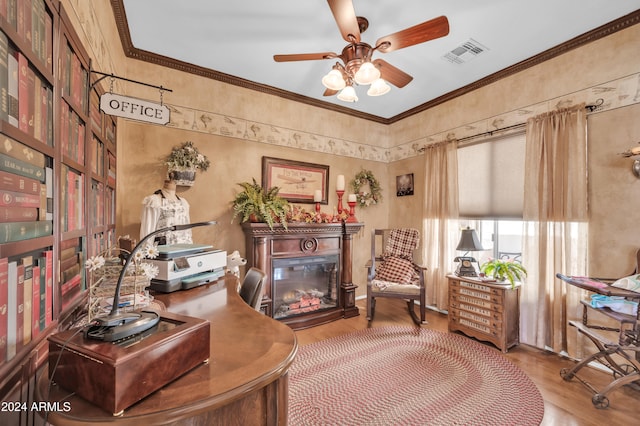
[299,182]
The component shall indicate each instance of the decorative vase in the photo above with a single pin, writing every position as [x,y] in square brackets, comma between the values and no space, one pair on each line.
[184,177]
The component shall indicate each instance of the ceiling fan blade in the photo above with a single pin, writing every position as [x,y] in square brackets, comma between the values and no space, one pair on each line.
[429,30]
[304,56]
[392,74]
[345,17]
[330,92]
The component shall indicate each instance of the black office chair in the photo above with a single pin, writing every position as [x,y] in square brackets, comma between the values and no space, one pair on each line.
[251,288]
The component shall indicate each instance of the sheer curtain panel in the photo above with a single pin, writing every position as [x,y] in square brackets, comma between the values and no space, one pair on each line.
[555,235]
[441,231]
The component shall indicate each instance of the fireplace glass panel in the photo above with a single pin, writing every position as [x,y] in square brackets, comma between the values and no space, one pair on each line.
[304,285]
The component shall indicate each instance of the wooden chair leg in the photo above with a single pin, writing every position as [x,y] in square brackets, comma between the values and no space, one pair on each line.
[371,307]
[418,321]
[423,314]
[412,311]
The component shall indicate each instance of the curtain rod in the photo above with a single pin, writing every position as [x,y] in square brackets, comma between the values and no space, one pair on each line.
[479,135]
[597,105]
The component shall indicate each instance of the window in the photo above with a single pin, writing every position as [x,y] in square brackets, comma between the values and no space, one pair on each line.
[491,183]
[499,238]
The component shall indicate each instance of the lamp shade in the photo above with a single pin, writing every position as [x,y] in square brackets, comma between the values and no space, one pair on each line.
[348,94]
[333,80]
[469,241]
[378,88]
[367,74]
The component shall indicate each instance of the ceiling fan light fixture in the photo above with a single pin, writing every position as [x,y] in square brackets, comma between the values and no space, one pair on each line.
[348,94]
[367,74]
[378,88]
[333,80]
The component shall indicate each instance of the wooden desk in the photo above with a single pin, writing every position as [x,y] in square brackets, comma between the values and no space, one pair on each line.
[245,381]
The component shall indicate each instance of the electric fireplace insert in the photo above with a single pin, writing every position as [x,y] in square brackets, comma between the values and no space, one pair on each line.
[304,285]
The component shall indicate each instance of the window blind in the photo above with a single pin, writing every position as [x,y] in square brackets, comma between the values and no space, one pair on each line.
[491,177]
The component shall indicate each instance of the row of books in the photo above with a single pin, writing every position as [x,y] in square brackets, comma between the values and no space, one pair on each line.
[111,169]
[26,192]
[72,274]
[26,290]
[75,80]
[26,204]
[99,242]
[33,24]
[96,204]
[95,115]
[110,205]
[26,99]
[96,156]
[72,199]
[72,133]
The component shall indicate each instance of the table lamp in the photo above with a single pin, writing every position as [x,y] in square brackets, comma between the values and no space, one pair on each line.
[468,242]
[119,325]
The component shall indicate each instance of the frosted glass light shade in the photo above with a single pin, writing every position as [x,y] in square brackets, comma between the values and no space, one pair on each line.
[378,88]
[333,80]
[348,94]
[367,74]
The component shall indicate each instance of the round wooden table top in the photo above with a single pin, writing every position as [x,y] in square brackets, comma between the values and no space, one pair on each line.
[248,351]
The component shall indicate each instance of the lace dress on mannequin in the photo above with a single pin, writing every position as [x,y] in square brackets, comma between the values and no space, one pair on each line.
[161,209]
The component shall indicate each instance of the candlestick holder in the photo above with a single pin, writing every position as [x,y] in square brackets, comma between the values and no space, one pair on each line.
[352,212]
[317,207]
[340,194]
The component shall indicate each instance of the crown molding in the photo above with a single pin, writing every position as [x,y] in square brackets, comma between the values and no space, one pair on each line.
[132,52]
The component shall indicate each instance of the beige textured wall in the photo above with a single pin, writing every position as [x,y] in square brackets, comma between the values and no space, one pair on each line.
[141,146]
[140,173]
[614,192]
[584,72]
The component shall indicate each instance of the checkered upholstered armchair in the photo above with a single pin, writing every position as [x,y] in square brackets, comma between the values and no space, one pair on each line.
[392,272]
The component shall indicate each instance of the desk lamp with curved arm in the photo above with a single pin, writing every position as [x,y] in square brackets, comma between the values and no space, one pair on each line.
[117,325]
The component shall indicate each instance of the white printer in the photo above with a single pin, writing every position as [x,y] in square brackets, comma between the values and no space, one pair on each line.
[184,266]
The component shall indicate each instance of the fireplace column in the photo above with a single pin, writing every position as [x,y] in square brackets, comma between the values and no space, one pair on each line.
[347,286]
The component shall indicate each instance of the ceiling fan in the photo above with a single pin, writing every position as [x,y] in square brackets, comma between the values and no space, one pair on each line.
[357,67]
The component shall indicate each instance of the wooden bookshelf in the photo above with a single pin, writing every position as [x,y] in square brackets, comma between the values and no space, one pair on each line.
[62,149]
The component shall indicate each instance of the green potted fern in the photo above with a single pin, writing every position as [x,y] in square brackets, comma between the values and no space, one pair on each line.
[256,204]
[502,270]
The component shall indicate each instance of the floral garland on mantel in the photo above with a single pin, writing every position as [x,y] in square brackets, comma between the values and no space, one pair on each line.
[366,198]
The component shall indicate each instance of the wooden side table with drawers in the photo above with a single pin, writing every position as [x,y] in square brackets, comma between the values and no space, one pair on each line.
[487,311]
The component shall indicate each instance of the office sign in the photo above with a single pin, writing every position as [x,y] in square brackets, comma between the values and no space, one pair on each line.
[135,109]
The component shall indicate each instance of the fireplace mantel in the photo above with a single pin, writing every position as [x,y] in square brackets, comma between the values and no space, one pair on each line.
[301,240]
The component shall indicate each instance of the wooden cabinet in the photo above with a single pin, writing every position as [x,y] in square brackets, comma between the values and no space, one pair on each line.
[486,311]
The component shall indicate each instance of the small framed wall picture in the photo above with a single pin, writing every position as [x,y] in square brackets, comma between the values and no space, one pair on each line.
[404,185]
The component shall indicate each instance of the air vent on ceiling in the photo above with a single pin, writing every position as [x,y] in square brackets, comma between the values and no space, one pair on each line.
[465,52]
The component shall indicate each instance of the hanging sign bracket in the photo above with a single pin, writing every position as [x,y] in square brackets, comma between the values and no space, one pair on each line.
[133,108]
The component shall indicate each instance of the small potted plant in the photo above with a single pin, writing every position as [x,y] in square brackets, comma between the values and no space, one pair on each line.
[501,270]
[254,203]
[183,162]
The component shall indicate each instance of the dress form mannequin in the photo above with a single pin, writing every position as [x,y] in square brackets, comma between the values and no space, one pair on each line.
[165,208]
[169,190]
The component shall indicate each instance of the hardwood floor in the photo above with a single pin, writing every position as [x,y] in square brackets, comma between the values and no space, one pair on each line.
[566,403]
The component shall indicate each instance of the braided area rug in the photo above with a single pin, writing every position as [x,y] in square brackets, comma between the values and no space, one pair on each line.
[408,376]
